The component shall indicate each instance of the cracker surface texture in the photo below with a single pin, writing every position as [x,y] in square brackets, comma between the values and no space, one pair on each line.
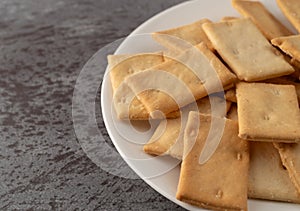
[179,82]
[268,112]
[206,185]
[268,179]
[291,9]
[180,38]
[244,48]
[262,18]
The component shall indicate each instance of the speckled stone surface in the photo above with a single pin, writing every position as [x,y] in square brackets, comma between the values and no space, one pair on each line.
[43,46]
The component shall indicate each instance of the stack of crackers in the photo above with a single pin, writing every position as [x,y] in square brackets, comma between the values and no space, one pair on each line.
[227,94]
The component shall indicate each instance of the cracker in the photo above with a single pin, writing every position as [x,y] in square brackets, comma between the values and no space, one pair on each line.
[283,80]
[183,37]
[168,137]
[291,9]
[206,185]
[262,18]
[268,179]
[244,48]
[127,106]
[193,75]
[268,112]
[121,66]
[289,154]
[290,45]
[230,95]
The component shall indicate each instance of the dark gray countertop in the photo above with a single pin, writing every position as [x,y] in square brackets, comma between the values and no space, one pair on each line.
[43,46]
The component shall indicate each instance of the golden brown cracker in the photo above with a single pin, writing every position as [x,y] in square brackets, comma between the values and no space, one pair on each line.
[197,71]
[289,44]
[206,185]
[291,9]
[289,154]
[268,178]
[268,112]
[180,38]
[168,137]
[247,52]
[262,18]
[120,67]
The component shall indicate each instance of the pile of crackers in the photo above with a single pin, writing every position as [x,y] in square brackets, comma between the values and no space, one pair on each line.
[239,76]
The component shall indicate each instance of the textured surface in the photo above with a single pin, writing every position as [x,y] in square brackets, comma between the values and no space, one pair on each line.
[43,46]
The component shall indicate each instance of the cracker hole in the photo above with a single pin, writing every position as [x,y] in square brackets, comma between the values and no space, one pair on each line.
[219,194]
[123,100]
[130,71]
[276,92]
[239,156]
[235,51]
[266,117]
[283,166]
[192,133]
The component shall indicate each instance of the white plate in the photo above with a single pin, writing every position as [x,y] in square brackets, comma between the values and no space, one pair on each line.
[162,173]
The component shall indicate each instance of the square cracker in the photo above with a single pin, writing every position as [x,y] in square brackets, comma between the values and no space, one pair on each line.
[268,179]
[262,18]
[290,45]
[192,76]
[221,182]
[289,154]
[268,112]
[244,48]
[122,66]
[183,37]
[291,9]
[168,136]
